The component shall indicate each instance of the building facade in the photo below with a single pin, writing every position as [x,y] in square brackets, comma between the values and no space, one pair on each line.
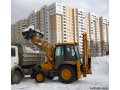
[16,31]
[13,33]
[94,34]
[81,28]
[44,22]
[32,18]
[62,25]
[104,34]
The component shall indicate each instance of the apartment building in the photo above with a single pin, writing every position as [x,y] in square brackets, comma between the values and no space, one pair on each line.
[87,27]
[32,18]
[94,34]
[56,25]
[13,33]
[62,25]
[104,34]
[38,19]
[44,22]
[16,31]
[81,28]
[88,22]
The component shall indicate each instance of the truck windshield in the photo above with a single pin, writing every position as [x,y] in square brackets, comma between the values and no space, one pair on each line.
[12,52]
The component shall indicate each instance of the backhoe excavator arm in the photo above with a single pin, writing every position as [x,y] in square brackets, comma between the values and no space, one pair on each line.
[87,58]
[36,38]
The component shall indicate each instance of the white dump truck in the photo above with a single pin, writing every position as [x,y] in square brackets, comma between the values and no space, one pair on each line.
[24,59]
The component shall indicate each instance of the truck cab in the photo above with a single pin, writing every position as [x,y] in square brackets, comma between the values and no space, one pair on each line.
[16,71]
[14,56]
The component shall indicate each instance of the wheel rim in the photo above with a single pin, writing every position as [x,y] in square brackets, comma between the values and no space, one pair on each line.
[15,78]
[66,74]
[39,77]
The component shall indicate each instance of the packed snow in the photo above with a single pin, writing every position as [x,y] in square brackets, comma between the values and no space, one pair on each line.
[27,29]
[98,80]
[31,50]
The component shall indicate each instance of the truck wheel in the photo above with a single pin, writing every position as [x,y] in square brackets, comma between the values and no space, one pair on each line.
[67,74]
[16,77]
[39,77]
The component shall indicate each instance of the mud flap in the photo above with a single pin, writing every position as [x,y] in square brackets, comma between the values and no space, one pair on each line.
[79,72]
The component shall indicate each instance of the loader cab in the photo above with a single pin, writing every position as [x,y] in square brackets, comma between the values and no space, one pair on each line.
[66,52]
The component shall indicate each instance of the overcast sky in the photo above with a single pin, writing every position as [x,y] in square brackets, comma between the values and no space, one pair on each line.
[22,8]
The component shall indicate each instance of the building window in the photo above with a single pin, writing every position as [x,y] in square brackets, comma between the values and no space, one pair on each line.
[64,28]
[64,21]
[12,52]
[65,38]
[64,18]
[64,12]
[64,34]
[64,24]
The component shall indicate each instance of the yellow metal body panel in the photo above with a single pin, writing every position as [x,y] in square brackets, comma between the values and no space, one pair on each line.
[85,47]
[79,72]
[45,46]
[46,66]
[89,71]
[65,62]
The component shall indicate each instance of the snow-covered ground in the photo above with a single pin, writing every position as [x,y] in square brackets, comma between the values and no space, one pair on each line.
[99,80]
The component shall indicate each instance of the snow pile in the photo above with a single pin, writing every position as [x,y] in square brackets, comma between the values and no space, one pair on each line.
[99,80]
[100,65]
[30,50]
[27,29]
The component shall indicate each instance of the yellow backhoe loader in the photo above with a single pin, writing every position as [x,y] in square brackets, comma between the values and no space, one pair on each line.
[63,59]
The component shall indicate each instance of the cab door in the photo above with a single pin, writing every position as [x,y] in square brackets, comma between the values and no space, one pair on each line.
[70,53]
[59,55]
[14,56]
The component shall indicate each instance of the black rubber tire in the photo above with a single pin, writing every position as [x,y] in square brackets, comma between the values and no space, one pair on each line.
[32,76]
[16,77]
[42,73]
[49,77]
[73,76]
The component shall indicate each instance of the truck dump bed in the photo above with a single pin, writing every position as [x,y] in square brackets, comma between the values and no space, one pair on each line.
[29,55]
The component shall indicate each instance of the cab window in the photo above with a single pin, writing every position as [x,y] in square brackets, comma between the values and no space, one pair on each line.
[77,52]
[70,52]
[12,52]
[59,53]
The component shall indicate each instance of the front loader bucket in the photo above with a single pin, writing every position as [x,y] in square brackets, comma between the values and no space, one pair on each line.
[30,32]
